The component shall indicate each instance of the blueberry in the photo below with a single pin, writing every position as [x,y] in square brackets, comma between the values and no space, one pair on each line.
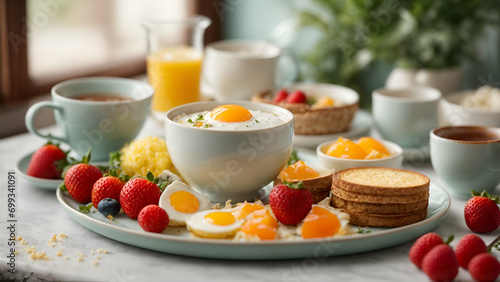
[109,206]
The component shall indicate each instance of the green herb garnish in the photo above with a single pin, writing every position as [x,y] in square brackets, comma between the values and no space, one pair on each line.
[190,121]
[293,157]
[363,231]
[86,208]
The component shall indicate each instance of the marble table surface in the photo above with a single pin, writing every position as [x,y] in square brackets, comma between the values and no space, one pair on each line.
[40,216]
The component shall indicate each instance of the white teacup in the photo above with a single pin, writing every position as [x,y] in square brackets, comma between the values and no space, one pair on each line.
[239,69]
[406,115]
[466,158]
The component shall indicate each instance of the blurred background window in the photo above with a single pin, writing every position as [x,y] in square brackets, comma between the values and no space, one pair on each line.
[43,42]
[83,36]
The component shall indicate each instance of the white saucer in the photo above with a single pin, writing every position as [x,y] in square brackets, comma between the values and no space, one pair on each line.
[42,183]
[360,126]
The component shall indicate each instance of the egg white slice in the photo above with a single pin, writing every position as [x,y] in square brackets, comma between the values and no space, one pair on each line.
[178,218]
[200,226]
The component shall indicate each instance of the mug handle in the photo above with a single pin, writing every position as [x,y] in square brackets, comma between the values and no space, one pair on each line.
[30,116]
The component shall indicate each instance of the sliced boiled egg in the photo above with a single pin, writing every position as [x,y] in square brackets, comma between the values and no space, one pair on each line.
[216,224]
[180,202]
[323,221]
[298,171]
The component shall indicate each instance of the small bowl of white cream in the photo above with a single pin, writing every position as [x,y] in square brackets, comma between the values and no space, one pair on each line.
[472,107]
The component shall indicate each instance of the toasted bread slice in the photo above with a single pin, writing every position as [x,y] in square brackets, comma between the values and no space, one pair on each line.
[386,220]
[319,186]
[379,199]
[378,208]
[315,121]
[382,181]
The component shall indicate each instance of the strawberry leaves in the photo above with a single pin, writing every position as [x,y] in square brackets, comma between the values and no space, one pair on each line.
[485,194]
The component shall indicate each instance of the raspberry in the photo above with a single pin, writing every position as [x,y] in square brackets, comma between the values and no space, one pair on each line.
[153,218]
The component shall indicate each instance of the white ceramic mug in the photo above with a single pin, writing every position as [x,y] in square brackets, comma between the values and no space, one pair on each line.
[466,158]
[406,115]
[239,69]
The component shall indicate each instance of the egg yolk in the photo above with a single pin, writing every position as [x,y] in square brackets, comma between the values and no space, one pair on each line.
[320,223]
[324,102]
[184,201]
[261,224]
[298,171]
[220,218]
[244,210]
[346,149]
[369,144]
[230,113]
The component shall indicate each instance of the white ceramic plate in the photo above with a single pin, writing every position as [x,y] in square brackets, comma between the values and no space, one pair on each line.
[178,241]
[360,126]
[42,183]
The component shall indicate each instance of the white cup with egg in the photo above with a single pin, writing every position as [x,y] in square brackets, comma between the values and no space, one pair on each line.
[233,162]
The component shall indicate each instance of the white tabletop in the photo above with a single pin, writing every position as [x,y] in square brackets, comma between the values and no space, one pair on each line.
[40,216]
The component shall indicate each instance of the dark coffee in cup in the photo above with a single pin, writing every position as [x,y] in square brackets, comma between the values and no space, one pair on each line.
[102,97]
[467,134]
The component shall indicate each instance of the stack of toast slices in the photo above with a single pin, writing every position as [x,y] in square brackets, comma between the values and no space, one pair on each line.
[380,196]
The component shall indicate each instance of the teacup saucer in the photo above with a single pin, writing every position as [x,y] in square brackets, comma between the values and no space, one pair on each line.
[42,183]
[360,126]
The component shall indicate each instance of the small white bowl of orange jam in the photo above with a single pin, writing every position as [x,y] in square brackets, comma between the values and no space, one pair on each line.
[367,151]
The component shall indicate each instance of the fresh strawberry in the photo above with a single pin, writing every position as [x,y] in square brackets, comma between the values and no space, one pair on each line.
[138,193]
[80,178]
[43,162]
[481,213]
[484,267]
[440,263]
[109,186]
[297,97]
[422,246]
[468,247]
[280,96]
[290,202]
[153,218]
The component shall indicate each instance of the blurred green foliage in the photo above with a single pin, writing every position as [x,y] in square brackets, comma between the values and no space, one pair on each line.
[413,34]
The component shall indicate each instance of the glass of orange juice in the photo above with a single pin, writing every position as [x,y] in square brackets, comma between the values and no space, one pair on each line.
[174,61]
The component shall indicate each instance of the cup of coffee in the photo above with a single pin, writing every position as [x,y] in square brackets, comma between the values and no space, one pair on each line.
[239,69]
[406,115]
[98,113]
[466,158]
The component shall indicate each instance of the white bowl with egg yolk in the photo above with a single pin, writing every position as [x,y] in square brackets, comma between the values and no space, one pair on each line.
[229,164]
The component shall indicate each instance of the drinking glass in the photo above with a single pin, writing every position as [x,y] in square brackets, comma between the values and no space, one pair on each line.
[174,61]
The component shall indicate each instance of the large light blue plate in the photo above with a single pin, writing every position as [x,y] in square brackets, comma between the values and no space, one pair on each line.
[178,241]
